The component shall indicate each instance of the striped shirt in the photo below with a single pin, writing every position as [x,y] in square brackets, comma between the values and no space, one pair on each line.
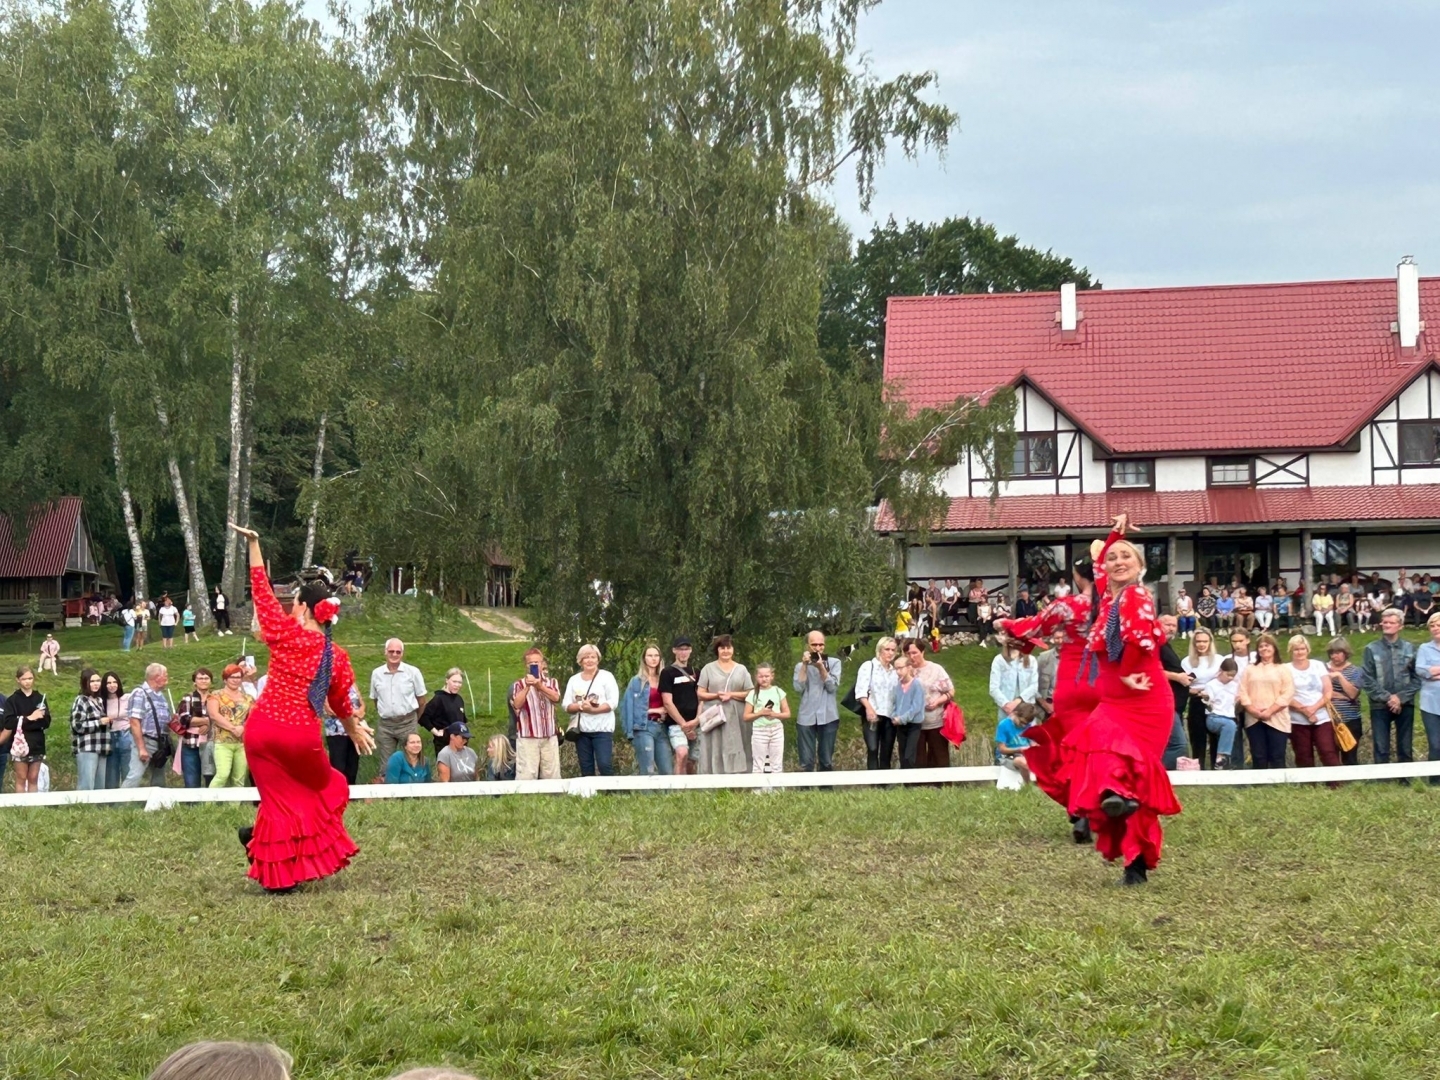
[535,718]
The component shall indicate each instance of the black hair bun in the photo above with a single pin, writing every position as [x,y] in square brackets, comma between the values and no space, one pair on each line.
[1086,569]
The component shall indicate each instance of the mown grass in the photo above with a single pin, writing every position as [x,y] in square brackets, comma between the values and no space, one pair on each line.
[900,933]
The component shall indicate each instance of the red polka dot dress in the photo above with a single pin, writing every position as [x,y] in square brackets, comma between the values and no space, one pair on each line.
[299,831]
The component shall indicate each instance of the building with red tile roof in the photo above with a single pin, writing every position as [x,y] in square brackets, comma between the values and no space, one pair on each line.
[1254,431]
[57,562]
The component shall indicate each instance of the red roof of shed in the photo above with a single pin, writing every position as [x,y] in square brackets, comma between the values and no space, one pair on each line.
[1161,509]
[47,548]
[1147,367]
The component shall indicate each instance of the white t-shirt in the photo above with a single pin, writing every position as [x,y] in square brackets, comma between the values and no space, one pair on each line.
[128,614]
[604,688]
[1220,697]
[169,615]
[219,601]
[1204,669]
[1310,687]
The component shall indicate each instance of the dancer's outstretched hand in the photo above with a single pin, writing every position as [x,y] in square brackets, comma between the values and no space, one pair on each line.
[249,534]
[363,736]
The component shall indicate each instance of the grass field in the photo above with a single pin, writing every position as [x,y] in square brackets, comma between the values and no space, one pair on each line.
[900,933]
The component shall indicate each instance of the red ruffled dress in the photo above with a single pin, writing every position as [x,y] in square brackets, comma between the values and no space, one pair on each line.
[300,828]
[1120,747]
[1075,697]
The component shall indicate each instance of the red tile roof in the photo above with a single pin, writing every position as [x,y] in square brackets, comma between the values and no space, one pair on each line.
[1236,507]
[47,547]
[1147,366]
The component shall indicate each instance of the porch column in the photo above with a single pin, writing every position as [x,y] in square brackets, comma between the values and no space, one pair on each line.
[1172,577]
[1307,567]
[1012,551]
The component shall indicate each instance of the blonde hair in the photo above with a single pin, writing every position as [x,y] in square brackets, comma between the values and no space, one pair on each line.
[225,1061]
[1430,622]
[1194,657]
[432,1074]
[659,660]
[499,752]
[884,641]
[587,648]
[1296,639]
[453,671]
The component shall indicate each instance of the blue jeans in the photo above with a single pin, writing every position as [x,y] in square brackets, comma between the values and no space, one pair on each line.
[1432,736]
[1380,720]
[1178,744]
[118,763]
[190,766]
[127,638]
[596,751]
[88,769]
[1225,727]
[652,749]
[813,739]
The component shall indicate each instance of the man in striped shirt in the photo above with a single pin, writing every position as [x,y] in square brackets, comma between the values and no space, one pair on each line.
[533,697]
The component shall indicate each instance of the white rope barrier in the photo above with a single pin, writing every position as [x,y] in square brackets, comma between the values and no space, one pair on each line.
[155,798]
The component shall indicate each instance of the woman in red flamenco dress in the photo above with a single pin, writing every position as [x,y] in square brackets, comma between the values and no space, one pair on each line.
[299,832]
[1117,780]
[1074,697]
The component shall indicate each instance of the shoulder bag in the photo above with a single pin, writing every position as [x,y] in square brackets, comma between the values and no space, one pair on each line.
[713,715]
[850,702]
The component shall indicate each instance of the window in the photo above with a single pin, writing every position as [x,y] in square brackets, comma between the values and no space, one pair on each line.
[1232,471]
[1034,456]
[1134,475]
[1330,555]
[1157,559]
[1419,442]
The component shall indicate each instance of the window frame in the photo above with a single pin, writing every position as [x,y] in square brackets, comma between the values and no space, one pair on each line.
[1110,484]
[1225,460]
[1402,426]
[1025,439]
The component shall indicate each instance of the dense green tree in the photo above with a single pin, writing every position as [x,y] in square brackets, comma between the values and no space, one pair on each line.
[618,377]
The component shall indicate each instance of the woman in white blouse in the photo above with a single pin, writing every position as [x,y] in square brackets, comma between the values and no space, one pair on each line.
[1311,726]
[1202,664]
[591,696]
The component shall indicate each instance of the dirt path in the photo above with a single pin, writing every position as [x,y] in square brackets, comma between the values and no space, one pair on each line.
[499,621]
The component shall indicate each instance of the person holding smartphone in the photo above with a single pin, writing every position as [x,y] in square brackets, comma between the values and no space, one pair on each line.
[533,697]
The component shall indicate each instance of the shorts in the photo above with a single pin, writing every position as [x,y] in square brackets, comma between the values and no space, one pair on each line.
[167,632]
[678,739]
[29,759]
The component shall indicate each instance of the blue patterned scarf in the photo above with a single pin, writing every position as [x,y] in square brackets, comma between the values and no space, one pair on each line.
[320,685]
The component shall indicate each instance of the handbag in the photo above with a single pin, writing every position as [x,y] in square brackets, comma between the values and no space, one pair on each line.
[1345,740]
[850,702]
[713,715]
[952,724]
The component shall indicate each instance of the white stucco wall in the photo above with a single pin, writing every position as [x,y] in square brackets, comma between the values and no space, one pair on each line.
[959,561]
[1180,474]
[1416,552]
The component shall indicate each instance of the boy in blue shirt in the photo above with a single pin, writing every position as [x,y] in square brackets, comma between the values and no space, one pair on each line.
[1010,743]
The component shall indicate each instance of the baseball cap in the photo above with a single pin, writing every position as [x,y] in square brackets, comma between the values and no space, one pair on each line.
[680,641]
[458,728]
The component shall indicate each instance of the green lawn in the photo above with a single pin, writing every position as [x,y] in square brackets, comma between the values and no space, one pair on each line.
[912,934]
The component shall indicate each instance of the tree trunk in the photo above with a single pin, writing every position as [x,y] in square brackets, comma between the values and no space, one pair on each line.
[199,599]
[230,572]
[309,556]
[127,506]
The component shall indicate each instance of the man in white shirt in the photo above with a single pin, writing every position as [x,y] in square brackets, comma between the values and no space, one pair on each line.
[398,690]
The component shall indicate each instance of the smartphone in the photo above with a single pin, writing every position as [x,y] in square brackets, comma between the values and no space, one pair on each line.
[534,671]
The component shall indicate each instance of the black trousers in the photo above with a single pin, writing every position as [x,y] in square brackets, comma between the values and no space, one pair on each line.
[1267,746]
[1203,743]
[344,758]
[222,619]
[879,743]
[907,740]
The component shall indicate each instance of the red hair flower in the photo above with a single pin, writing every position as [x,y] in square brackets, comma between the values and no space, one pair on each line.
[327,609]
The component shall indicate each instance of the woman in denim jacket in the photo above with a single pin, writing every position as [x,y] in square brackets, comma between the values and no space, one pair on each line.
[640,717]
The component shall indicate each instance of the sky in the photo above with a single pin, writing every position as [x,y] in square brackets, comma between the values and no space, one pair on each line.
[1177,143]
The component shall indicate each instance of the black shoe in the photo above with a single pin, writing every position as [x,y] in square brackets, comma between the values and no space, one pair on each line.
[1135,873]
[1080,830]
[1117,807]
